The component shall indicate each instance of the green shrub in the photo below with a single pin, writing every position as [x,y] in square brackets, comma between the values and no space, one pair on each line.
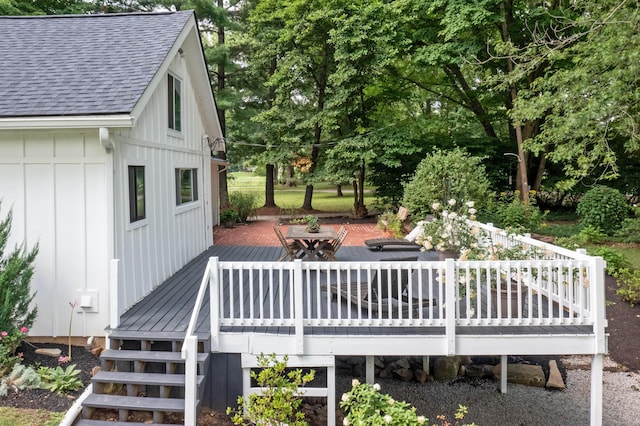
[16,271]
[279,402]
[365,405]
[630,231]
[20,378]
[587,235]
[603,208]
[629,285]
[244,203]
[60,380]
[616,261]
[389,221]
[446,175]
[513,215]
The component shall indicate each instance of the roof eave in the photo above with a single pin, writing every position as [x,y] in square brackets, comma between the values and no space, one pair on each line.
[66,122]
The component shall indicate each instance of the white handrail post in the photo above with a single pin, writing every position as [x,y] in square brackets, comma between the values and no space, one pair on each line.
[450,303]
[114,305]
[214,302]
[190,380]
[298,308]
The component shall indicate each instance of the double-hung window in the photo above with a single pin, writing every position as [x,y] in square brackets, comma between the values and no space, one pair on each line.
[186,186]
[174,91]
[137,201]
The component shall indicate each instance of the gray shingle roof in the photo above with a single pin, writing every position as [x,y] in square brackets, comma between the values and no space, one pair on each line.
[81,64]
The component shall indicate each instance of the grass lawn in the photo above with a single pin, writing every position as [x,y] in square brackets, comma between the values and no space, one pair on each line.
[28,417]
[290,199]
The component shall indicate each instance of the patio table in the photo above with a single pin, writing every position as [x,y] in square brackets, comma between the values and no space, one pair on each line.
[311,243]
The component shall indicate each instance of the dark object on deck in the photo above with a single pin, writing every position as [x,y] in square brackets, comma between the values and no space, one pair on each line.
[400,243]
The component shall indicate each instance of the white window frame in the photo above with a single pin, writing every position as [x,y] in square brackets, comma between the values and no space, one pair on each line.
[147,192]
[180,201]
[175,123]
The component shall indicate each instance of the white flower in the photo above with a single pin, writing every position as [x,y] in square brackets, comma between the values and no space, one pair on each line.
[452,202]
[345,397]
[345,422]
[472,211]
[388,419]
[445,213]
[470,204]
[421,420]
[435,206]
[355,382]
[376,386]
[391,401]
[453,215]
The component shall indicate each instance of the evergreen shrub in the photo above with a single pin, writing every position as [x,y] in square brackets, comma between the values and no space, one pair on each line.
[16,271]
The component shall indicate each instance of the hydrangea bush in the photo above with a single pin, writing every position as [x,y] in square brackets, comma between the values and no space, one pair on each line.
[365,405]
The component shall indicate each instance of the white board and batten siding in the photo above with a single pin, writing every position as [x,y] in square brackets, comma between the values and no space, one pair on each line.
[153,249]
[56,183]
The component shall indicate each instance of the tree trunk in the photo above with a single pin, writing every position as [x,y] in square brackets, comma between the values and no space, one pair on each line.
[223,188]
[522,160]
[339,191]
[269,191]
[358,190]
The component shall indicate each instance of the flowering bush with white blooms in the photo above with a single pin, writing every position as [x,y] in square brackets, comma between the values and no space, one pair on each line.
[365,405]
[450,230]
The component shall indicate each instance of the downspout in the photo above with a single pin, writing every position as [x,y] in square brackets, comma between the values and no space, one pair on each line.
[112,297]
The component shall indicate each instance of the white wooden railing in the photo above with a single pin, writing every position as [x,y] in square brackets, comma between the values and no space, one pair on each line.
[562,287]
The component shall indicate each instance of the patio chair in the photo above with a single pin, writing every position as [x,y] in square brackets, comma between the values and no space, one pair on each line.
[397,295]
[406,243]
[291,249]
[330,250]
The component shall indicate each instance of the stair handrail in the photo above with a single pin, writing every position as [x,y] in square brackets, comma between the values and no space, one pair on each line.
[189,350]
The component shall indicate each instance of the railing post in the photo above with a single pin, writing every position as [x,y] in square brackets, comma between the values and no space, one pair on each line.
[190,379]
[596,276]
[214,302]
[298,308]
[450,304]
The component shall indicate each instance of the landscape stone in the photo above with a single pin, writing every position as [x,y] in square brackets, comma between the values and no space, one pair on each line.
[523,374]
[446,368]
[479,370]
[405,374]
[52,352]
[421,376]
[555,378]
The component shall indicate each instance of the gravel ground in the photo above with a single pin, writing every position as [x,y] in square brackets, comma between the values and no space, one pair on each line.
[521,405]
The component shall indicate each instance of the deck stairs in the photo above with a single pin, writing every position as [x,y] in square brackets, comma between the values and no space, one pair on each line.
[142,372]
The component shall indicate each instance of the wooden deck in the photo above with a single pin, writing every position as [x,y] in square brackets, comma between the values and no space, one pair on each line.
[168,308]
[350,328]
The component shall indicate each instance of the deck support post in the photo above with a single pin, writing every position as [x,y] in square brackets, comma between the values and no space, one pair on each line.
[596,390]
[503,373]
[425,364]
[370,369]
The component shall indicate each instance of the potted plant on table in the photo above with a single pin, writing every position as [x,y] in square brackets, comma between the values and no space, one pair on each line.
[311,221]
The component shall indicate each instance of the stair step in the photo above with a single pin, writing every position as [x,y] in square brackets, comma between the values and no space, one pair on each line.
[117,402]
[155,379]
[87,422]
[153,335]
[148,356]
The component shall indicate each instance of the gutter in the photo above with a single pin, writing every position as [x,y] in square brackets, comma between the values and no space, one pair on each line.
[66,122]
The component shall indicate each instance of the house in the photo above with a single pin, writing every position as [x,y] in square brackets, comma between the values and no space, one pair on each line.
[105,127]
